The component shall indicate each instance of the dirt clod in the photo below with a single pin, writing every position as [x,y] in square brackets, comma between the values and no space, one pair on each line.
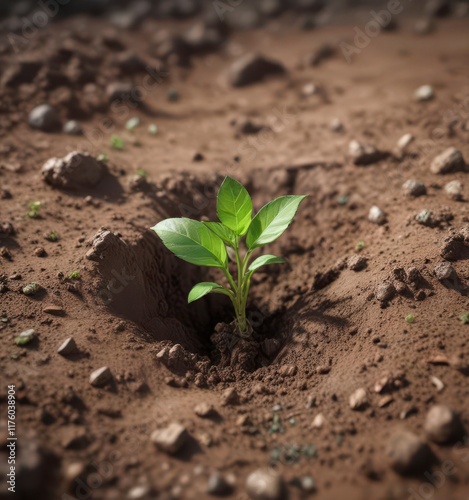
[407,453]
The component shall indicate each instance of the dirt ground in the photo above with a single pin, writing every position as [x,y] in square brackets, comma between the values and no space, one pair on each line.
[329,330]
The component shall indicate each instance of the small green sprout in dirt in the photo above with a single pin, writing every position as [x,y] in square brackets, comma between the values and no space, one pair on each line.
[52,236]
[132,123]
[31,289]
[117,142]
[104,157]
[206,243]
[153,129]
[141,172]
[75,275]
[464,318]
[342,200]
[410,318]
[360,246]
[33,209]
[24,338]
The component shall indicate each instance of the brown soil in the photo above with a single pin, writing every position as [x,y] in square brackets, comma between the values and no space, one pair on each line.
[320,330]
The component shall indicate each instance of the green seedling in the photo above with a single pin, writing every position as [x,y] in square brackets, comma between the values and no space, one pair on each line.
[25,338]
[410,318]
[207,243]
[141,172]
[360,246]
[117,142]
[33,209]
[52,236]
[464,318]
[75,275]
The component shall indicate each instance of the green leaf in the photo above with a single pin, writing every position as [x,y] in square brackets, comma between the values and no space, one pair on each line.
[204,288]
[264,260]
[234,206]
[193,242]
[225,233]
[272,220]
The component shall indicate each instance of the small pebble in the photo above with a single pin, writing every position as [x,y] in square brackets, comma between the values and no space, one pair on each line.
[376,215]
[414,188]
[424,93]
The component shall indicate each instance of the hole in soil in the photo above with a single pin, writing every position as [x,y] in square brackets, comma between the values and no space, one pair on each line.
[142,281]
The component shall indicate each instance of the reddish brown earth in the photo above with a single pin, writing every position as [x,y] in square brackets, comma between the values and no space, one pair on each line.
[333,335]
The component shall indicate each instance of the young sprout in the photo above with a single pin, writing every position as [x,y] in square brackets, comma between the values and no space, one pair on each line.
[464,318]
[360,246]
[410,318]
[208,243]
[141,172]
[75,275]
[33,209]
[52,236]
[117,142]
[104,157]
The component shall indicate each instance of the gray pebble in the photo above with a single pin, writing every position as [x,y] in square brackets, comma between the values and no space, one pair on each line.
[443,425]
[407,453]
[451,160]
[171,438]
[72,127]
[44,118]
[376,215]
[414,188]
[100,377]
[454,190]
[265,484]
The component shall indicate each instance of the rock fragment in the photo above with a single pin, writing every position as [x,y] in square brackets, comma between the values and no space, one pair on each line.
[443,425]
[376,215]
[170,439]
[265,484]
[364,154]
[75,170]
[405,141]
[454,190]
[253,68]
[101,377]
[424,93]
[45,118]
[358,400]
[449,161]
[385,291]
[407,453]
[415,188]
[230,397]
[68,347]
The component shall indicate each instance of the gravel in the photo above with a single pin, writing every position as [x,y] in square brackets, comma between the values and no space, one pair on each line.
[265,484]
[449,161]
[170,439]
[415,188]
[442,425]
[101,377]
[44,118]
[358,400]
[454,190]
[253,68]
[75,170]
[408,454]
[424,93]
[376,215]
